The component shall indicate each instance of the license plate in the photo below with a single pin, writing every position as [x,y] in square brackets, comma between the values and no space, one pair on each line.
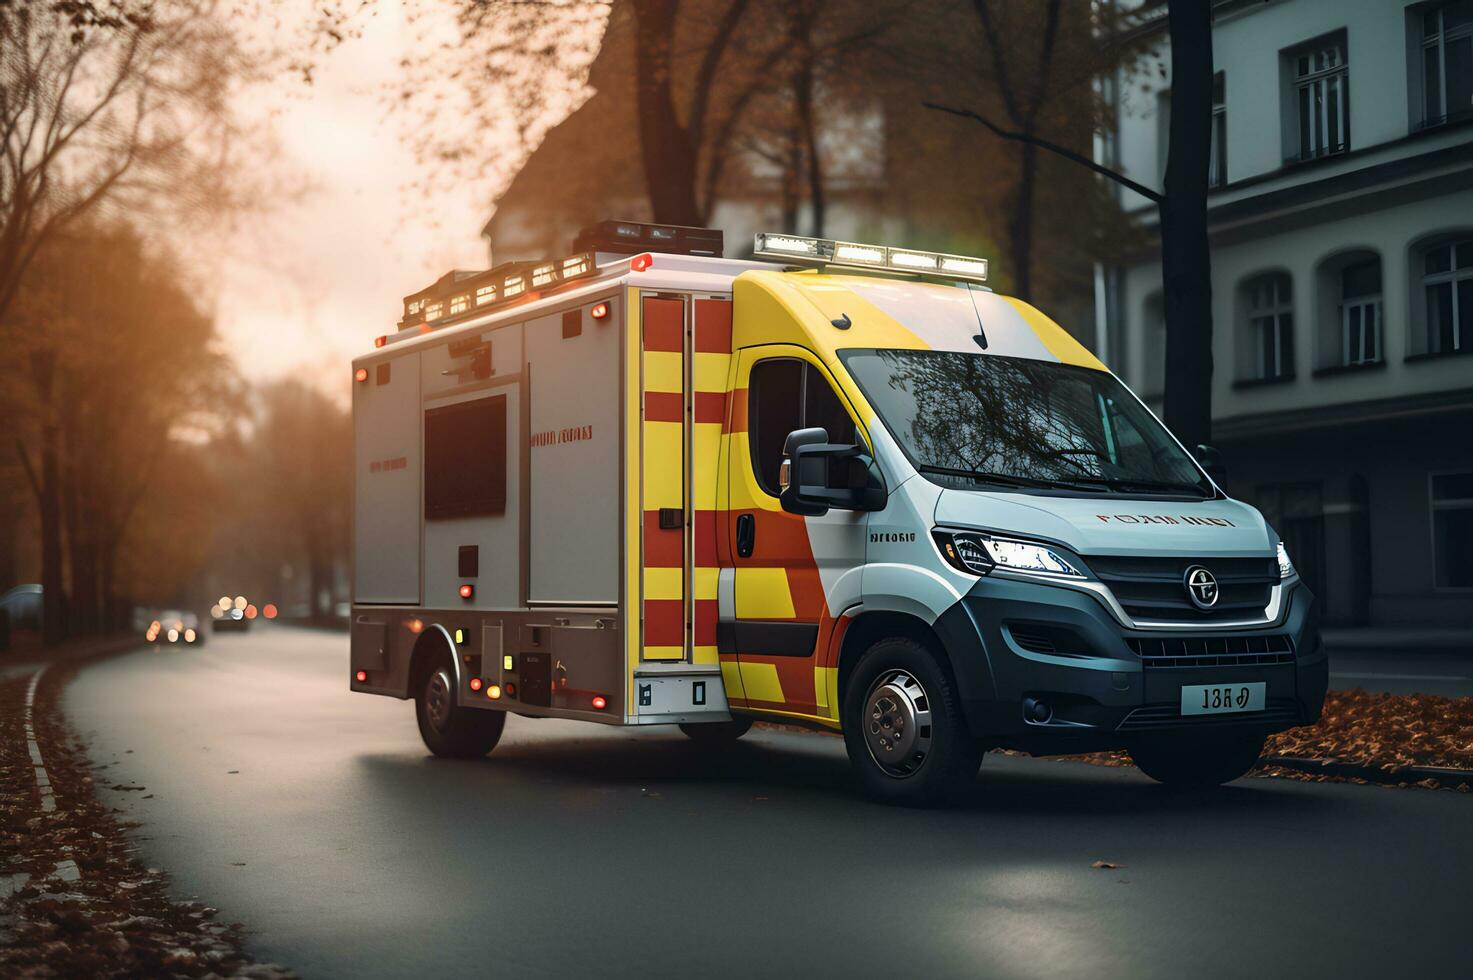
[1222,699]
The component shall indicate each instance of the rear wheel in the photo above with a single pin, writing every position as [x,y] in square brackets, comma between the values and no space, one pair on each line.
[448,729]
[717,731]
[1185,761]
[903,727]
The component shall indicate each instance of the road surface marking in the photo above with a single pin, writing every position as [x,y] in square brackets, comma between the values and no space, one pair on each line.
[1401,677]
[43,780]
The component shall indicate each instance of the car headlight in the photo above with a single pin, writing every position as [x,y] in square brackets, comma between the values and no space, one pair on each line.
[979,554]
[1286,567]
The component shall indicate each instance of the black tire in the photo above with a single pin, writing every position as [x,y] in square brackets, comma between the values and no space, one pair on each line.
[937,757]
[717,731]
[450,730]
[1183,760]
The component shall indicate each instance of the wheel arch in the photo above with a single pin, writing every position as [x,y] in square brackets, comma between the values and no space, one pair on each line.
[868,628]
[435,640]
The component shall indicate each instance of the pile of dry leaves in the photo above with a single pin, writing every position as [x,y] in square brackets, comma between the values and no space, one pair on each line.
[74,901]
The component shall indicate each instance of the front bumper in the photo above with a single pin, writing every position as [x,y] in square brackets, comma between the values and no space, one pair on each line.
[1099,690]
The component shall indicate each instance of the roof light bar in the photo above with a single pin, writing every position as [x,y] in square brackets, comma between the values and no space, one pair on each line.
[459,294]
[824,251]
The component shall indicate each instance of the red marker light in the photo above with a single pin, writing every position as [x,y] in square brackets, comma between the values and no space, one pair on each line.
[250,612]
[599,311]
[599,703]
[269,611]
[362,676]
[641,262]
[380,341]
[360,375]
[511,689]
[475,683]
[467,590]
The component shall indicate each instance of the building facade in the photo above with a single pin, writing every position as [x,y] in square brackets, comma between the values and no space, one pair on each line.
[1341,226]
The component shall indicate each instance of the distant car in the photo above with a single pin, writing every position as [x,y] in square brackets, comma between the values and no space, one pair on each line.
[174,627]
[230,620]
[23,605]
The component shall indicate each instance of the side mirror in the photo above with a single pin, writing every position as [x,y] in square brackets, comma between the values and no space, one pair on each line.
[818,475]
[1211,461]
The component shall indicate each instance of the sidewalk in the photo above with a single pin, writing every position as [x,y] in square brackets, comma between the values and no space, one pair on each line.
[1399,640]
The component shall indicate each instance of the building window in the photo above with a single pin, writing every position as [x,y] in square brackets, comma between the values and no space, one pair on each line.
[1447,62]
[1217,165]
[1271,325]
[1447,280]
[1360,313]
[1322,94]
[1452,530]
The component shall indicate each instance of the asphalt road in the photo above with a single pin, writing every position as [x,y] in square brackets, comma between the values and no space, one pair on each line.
[316,817]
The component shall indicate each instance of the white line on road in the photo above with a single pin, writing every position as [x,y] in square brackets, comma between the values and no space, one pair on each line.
[43,780]
[1400,677]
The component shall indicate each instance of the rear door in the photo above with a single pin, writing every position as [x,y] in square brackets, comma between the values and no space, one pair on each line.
[793,575]
[685,359]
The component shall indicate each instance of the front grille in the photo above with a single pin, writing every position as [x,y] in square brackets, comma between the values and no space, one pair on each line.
[1211,651]
[1168,715]
[1154,588]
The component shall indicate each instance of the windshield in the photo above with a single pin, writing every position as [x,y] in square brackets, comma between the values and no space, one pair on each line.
[1019,423]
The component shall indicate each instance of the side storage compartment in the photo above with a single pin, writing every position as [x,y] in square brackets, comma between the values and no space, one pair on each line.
[386,482]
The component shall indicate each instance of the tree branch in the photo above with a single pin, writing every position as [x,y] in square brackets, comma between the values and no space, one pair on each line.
[1149,194]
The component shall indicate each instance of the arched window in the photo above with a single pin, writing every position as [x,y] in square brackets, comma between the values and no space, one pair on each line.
[1447,290]
[1360,312]
[1269,301]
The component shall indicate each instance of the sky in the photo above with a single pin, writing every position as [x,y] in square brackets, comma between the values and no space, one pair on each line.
[305,287]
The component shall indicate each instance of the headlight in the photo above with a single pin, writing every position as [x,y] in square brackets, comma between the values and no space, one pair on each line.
[979,554]
[1286,567]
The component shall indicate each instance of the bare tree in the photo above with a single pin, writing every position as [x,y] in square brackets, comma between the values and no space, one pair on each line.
[106,103]
[1185,258]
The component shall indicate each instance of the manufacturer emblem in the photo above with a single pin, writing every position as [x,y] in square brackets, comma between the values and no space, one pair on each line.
[1201,587]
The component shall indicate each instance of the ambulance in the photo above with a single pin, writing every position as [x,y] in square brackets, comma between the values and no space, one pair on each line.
[837,485]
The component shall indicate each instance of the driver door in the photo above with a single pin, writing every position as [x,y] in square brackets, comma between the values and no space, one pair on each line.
[793,575]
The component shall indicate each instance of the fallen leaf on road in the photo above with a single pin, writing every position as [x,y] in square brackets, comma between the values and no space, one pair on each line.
[1106,865]
[232,772]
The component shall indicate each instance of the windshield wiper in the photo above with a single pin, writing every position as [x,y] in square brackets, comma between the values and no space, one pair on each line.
[1006,479]
[1153,486]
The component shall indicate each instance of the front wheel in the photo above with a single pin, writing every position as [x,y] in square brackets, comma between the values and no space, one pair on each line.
[1186,761]
[449,730]
[903,727]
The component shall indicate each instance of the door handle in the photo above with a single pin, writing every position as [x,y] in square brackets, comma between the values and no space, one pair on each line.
[746,535]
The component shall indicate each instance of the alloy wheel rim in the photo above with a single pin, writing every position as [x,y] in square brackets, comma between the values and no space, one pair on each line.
[897,723]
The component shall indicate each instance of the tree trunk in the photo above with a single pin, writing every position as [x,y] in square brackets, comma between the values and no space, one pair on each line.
[47,487]
[1020,225]
[669,158]
[803,96]
[1186,267]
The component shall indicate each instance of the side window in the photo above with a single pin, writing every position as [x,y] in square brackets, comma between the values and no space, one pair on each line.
[465,459]
[784,394]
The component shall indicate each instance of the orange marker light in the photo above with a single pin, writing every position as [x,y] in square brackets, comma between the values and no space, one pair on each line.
[641,262]
[269,611]
[494,692]
[599,703]
[250,612]
[416,625]
[380,341]
[360,375]
[599,311]
[362,676]
[475,683]
[467,590]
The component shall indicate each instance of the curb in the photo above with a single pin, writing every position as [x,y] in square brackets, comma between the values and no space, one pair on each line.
[1371,774]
